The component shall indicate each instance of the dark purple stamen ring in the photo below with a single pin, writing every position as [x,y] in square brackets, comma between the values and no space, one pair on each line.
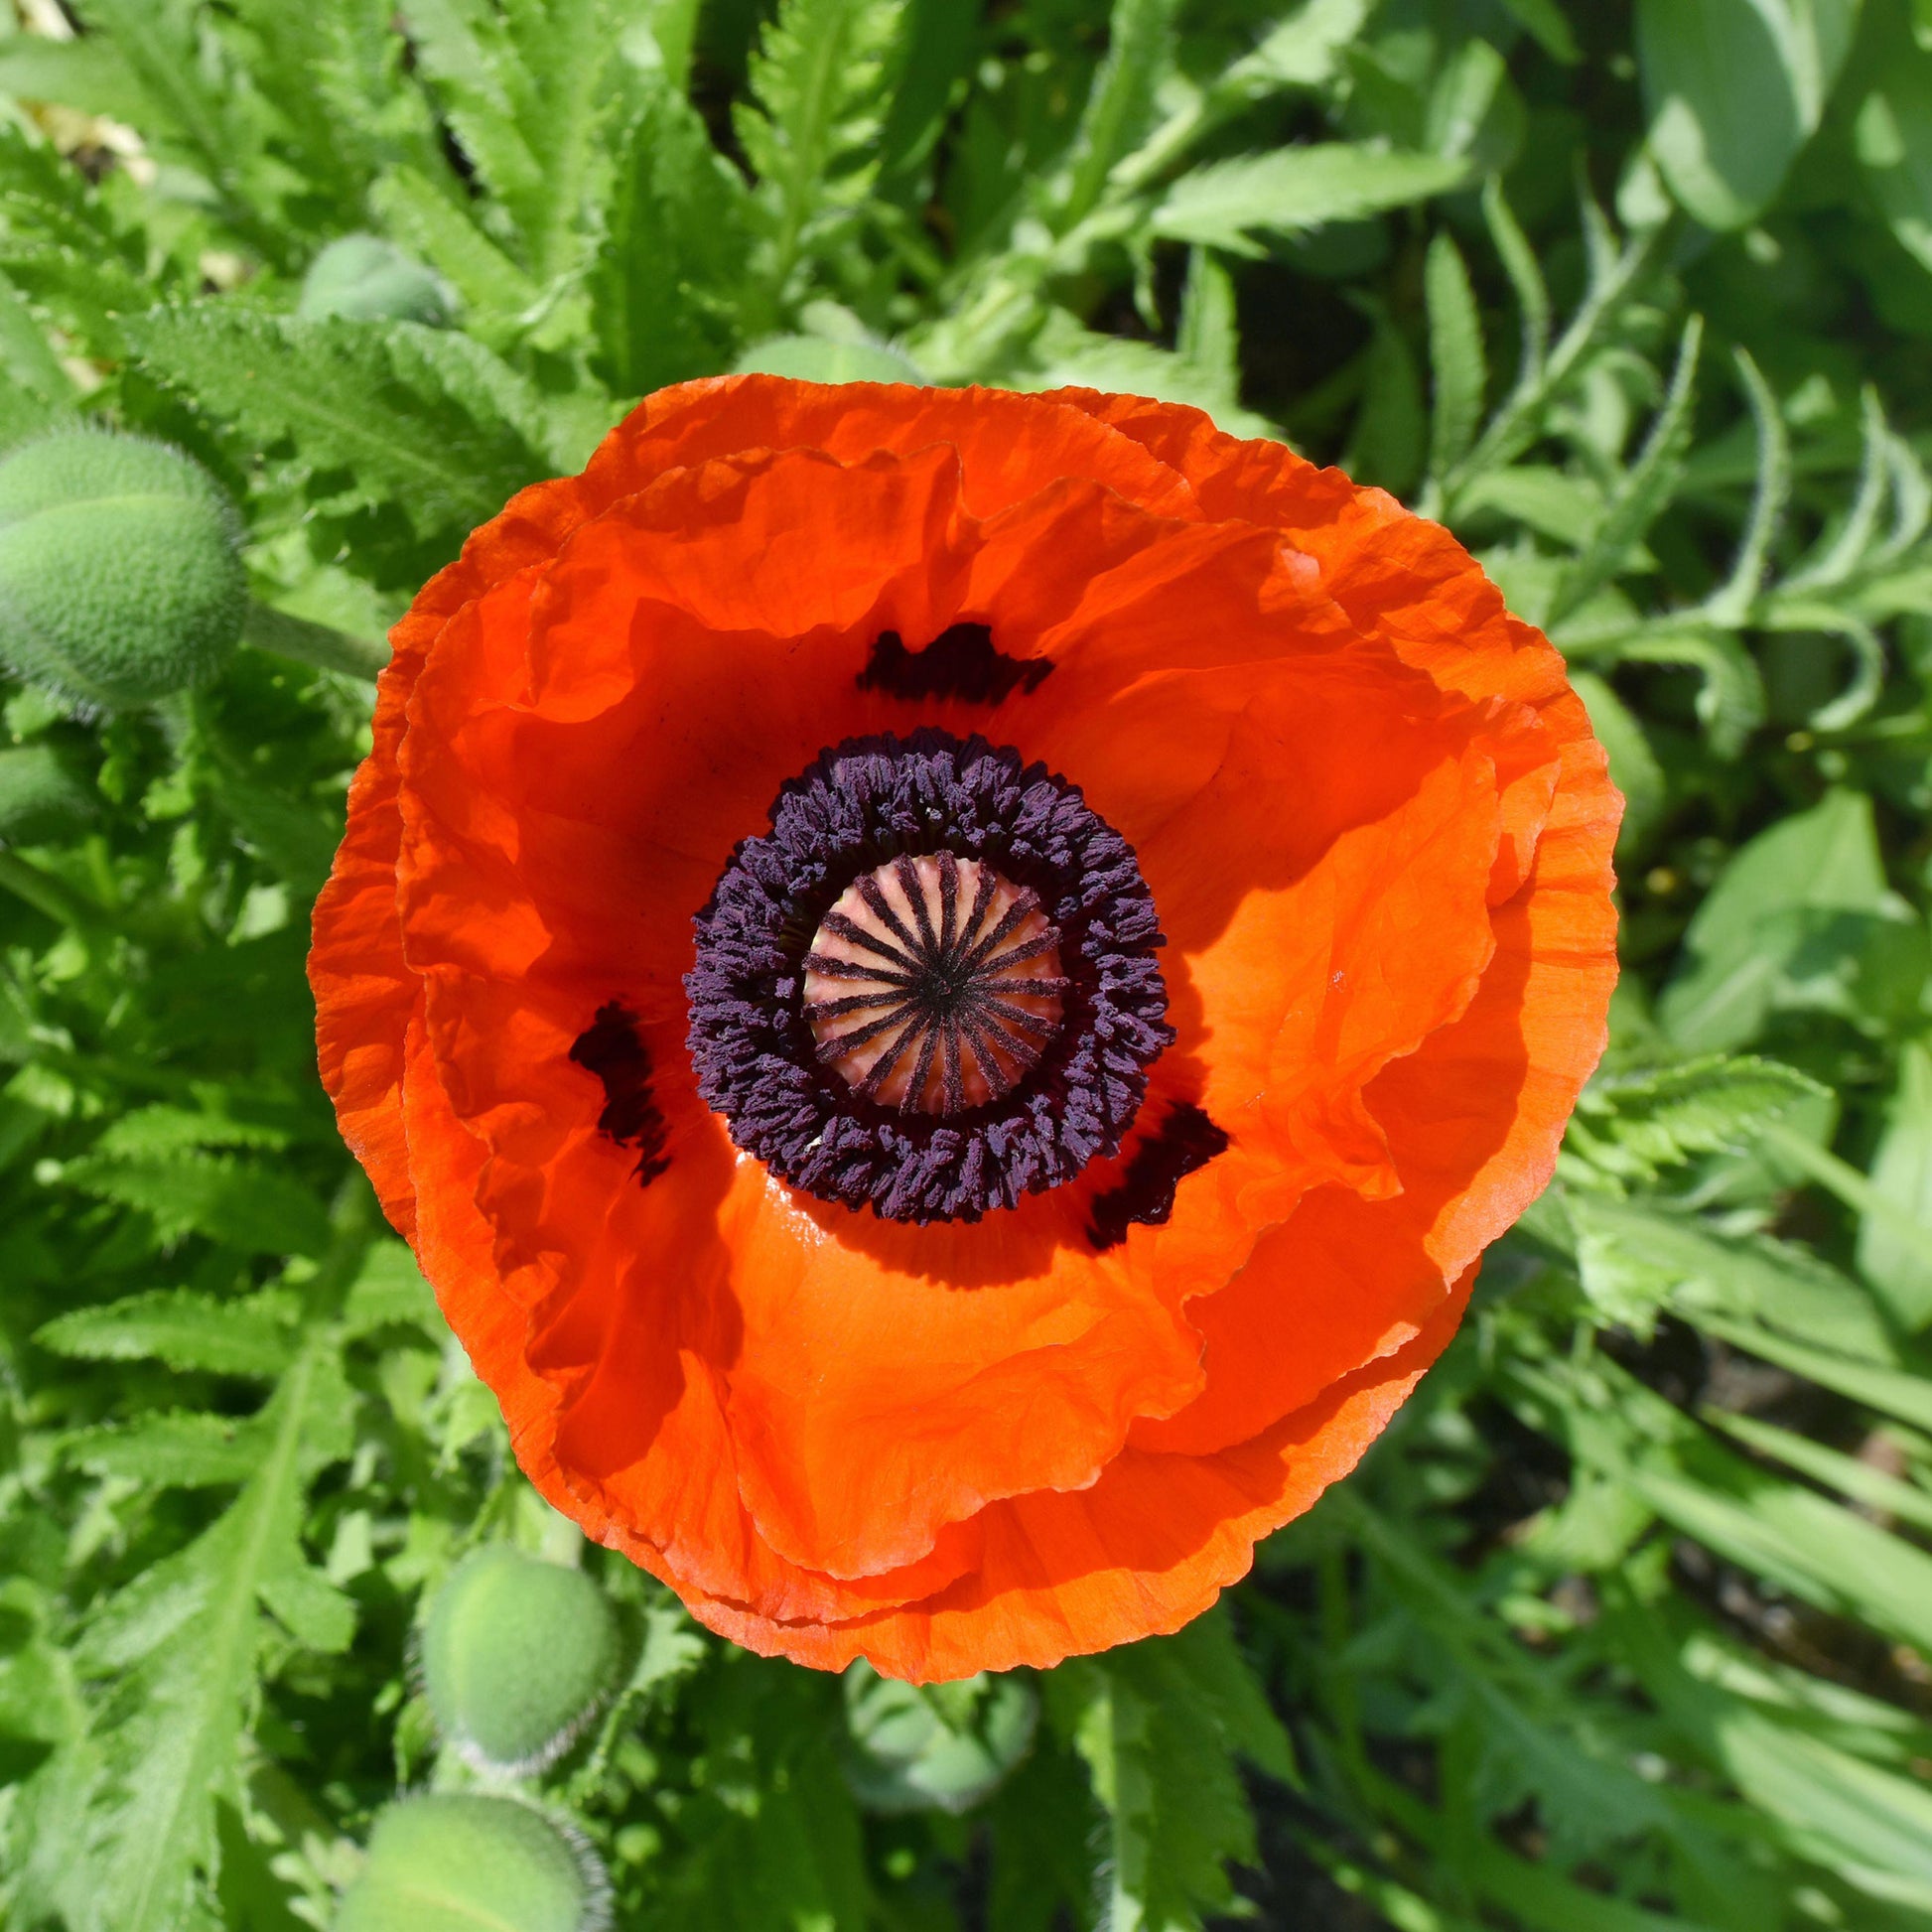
[856,809]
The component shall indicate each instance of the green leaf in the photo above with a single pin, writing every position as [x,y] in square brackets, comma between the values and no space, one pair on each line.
[1120,105]
[820,359]
[89,75]
[390,1290]
[677,236]
[1544,20]
[165,1130]
[181,1646]
[1634,768]
[1899,1269]
[1735,87]
[1893,141]
[821,82]
[1225,203]
[1207,338]
[1629,1127]
[429,421]
[529,94]
[1638,1257]
[181,1328]
[1388,444]
[160,49]
[1731,604]
[431,223]
[1456,357]
[1783,926]
[179,1450]
[1162,1724]
[1642,490]
[232,1201]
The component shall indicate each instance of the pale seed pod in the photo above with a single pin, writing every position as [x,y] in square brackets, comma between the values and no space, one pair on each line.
[120,573]
[449,1862]
[517,1656]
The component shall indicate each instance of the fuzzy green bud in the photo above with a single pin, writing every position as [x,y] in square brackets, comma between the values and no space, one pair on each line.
[935,1747]
[367,279]
[120,578]
[40,799]
[518,1654]
[451,1861]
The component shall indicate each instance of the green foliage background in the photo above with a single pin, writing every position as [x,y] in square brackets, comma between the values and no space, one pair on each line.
[1626,1626]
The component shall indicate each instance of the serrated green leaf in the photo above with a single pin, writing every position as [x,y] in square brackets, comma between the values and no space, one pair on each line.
[233,1201]
[1456,357]
[181,1328]
[1162,1724]
[820,83]
[1633,1126]
[1642,491]
[180,1647]
[1291,191]
[1637,1256]
[427,222]
[677,235]
[165,1130]
[422,420]
[1120,104]
[390,1288]
[181,1449]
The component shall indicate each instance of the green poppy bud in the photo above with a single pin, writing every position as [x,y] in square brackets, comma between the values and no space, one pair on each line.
[935,1747]
[518,1655]
[451,1861]
[40,799]
[367,279]
[120,580]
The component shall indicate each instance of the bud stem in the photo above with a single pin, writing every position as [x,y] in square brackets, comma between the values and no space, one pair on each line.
[285,635]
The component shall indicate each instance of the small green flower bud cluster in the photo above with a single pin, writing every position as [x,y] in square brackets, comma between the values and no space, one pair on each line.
[518,1655]
[120,578]
[938,1747]
[450,1862]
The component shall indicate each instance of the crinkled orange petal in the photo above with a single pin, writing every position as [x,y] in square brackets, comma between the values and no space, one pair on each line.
[1147,1548]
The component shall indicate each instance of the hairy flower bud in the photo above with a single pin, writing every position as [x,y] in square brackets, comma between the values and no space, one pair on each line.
[367,279]
[120,580]
[518,1655]
[40,799]
[942,1748]
[451,1861]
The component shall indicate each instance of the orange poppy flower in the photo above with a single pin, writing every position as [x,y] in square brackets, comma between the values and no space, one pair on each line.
[949,986]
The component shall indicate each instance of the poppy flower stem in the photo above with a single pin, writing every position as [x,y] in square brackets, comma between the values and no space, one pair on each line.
[284,635]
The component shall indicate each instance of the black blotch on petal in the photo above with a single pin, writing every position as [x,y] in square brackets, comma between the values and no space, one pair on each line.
[959,663]
[1185,1141]
[613,1050]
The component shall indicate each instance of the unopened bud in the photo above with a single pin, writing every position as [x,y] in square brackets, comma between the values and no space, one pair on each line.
[518,1655]
[367,279]
[120,580]
[451,1861]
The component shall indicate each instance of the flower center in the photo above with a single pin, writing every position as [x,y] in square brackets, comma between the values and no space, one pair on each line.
[930,989]
[933,982]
